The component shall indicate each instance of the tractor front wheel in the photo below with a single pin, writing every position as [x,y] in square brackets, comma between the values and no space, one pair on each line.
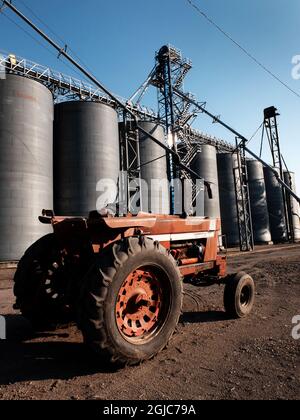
[239,295]
[131,301]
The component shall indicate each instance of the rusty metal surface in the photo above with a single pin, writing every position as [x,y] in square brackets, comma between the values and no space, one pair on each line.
[156,224]
[196,269]
[100,232]
[129,222]
[139,305]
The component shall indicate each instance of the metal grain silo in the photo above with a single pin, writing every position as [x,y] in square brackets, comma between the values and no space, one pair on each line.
[153,160]
[230,228]
[205,164]
[276,207]
[86,151]
[290,180]
[259,206]
[26,163]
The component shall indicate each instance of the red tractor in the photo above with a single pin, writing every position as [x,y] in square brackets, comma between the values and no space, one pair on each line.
[122,278]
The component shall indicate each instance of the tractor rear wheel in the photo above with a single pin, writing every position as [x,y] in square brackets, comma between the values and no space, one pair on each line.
[239,295]
[131,301]
[39,284]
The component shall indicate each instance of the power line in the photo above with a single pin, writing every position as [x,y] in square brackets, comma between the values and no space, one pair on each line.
[26,32]
[39,42]
[53,32]
[251,56]
[256,132]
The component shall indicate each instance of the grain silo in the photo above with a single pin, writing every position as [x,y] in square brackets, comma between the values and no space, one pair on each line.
[26,163]
[205,165]
[276,207]
[290,180]
[258,200]
[86,152]
[227,162]
[153,160]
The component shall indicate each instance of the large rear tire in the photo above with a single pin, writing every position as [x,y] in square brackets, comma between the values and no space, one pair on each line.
[40,285]
[131,301]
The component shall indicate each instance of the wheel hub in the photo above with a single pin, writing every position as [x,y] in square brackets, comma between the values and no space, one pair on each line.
[245,296]
[139,305]
[52,280]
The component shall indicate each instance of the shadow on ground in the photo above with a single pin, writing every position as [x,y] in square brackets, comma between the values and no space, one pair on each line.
[50,357]
[30,356]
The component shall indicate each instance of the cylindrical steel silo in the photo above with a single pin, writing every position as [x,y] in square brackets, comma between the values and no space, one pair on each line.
[154,173]
[276,207]
[290,180]
[26,163]
[227,162]
[259,206]
[205,165]
[86,153]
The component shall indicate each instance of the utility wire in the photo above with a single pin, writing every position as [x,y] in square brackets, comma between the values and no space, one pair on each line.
[256,132]
[46,48]
[51,52]
[53,32]
[262,141]
[251,56]
[27,33]
[251,138]
[39,42]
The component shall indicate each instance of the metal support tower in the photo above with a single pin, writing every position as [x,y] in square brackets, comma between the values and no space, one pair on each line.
[130,165]
[164,80]
[176,112]
[243,199]
[168,77]
[271,126]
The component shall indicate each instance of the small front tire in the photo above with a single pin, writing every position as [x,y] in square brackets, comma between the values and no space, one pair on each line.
[239,295]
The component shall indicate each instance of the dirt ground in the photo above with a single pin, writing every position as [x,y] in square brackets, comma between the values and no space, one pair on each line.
[210,357]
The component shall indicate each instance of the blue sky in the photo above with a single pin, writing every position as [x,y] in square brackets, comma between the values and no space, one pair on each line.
[118,40]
